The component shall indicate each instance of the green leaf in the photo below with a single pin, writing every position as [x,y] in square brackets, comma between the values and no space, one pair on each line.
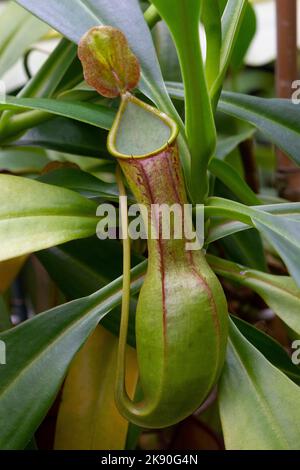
[232,19]
[256,415]
[247,248]
[226,144]
[20,160]
[73,18]
[67,136]
[49,75]
[96,115]
[280,293]
[80,267]
[95,166]
[283,234]
[8,27]
[39,352]
[166,52]
[220,228]
[19,30]
[281,231]
[288,209]
[245,36]
[270,348]
[183,20]
[231,178]
[81,182]
[175,90]
[35,215]
[44,83]
[278,119]
[211,19]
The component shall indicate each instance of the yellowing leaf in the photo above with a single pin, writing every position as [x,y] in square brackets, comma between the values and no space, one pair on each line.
[9,270]
[109,64]
[88,418]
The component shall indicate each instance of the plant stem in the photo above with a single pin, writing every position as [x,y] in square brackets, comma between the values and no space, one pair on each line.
[151,16]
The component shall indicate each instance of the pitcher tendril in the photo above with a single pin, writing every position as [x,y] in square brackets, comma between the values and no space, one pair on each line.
[181,317]
[121,366]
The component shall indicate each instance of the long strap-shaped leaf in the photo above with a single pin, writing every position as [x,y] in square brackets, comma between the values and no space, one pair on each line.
[73,18]
[270,348]
[39,353]
[34,216]
[282,232]
[256,415]
[19,30]
[232,179]
[280,293]
[75,255]
[222,228]
[211,19]
[89,113]
[231,22]
[278,119]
